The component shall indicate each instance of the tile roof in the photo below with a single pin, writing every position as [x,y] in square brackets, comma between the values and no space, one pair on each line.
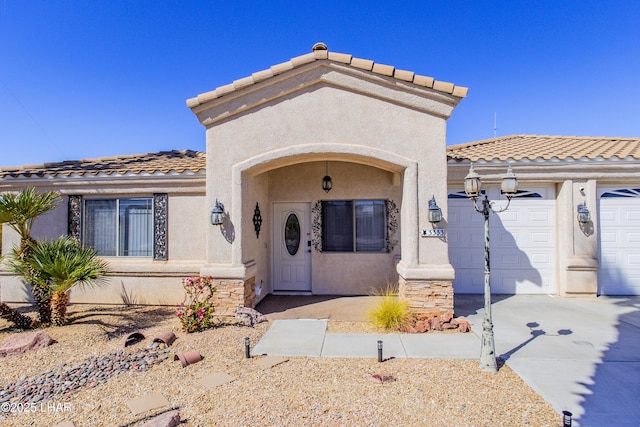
[321,53]
[163,162]
[545,147]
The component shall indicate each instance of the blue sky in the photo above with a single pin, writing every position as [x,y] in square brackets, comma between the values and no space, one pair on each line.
[83,79]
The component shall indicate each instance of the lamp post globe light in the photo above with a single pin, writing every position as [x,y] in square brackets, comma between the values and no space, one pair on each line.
[473,189]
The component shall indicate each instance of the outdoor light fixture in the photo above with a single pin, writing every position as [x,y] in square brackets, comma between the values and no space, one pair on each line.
[247,348]
[509,183]
[379,351]
[217,213]
[473,187]
[327,185]
[435,213]
[472,184]
[584,216]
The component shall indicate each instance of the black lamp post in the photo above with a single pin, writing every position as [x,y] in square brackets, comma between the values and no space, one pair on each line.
[473,187]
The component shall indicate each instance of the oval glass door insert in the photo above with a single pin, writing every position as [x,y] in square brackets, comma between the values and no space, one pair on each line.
[292,234]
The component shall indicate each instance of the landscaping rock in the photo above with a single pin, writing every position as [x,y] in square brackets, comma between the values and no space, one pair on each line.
[422,326]
[463,325]
[446,317]
[249,316]
[24,342]
[168,419]
[435,324]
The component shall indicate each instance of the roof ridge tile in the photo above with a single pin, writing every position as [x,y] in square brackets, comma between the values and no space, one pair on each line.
[325,54]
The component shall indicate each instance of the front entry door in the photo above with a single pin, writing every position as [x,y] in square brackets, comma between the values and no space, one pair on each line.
[292,247]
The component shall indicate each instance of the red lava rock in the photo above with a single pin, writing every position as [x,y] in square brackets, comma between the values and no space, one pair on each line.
[168,419]
[435,324]
[463,325]
[446,317]
[422,326]
[408,329]
[24,342]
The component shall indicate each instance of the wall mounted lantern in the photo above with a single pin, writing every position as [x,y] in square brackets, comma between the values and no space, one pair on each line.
[327,185]
[435,213]
[217,213]
[584,216]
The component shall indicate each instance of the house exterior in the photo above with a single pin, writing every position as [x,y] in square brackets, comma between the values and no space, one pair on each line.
[317,178]
[539,246]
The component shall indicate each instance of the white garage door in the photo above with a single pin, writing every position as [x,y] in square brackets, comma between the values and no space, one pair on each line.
[619,272]
[522,243]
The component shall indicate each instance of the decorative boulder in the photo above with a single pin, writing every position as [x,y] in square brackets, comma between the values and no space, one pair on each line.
[168,419]
[249,316]
[24,342]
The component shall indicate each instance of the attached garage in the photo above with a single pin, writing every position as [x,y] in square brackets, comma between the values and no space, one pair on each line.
[619,272]
[522,243]
[540,245]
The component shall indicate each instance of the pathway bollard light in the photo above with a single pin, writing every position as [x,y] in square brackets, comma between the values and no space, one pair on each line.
[473,187]
[247,349]
[566,418]
[379,351]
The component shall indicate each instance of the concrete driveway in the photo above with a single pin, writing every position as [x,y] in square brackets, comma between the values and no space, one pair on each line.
[580,354]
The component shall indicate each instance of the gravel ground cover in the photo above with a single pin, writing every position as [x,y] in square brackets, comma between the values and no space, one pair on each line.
[300,392]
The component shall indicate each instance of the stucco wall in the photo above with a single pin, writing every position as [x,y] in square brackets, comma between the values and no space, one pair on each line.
[139,280]
[342,273]
[326,123]
[256,251]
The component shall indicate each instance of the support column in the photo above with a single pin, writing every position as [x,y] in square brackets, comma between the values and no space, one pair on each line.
[579,261]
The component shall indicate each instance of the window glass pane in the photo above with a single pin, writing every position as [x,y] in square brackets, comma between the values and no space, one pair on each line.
[136,227]
[100,226]
[337,226]
[371,226]
[292,234]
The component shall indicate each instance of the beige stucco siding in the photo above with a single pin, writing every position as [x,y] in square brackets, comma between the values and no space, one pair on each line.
[341,273]
[317,124]
[131,279]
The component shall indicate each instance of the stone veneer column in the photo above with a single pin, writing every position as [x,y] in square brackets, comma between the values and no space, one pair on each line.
[427,296]
[232,293]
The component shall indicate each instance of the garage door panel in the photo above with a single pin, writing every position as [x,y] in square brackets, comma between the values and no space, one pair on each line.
[607,216]
[522,241]
[633,237]
[508,216]
[541,237]
[633,215]
[539,217]
[468,282]
[619,272]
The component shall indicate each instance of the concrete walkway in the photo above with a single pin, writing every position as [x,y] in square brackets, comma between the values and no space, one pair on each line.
[580,354]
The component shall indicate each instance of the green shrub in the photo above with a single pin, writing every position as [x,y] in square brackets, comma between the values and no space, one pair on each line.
[390,312]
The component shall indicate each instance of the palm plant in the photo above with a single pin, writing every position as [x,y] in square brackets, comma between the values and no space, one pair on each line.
[61,265]
[19,211]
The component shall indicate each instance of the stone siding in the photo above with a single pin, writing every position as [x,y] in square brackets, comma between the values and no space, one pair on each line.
[427,296]
[232,294]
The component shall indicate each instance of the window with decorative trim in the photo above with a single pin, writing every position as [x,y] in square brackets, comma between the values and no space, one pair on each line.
[354,226]
[119,227]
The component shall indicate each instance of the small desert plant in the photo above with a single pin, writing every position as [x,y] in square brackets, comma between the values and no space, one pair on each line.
[19,211]
[60,265]
[197,310]
[390,312]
